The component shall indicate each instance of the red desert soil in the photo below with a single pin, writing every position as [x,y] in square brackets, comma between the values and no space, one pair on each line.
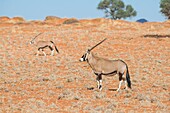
[60,83]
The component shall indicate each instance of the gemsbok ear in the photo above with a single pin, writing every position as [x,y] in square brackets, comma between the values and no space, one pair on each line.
[88,51]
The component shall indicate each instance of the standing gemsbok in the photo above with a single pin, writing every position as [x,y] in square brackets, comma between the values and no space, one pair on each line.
[102,66]
[41,45]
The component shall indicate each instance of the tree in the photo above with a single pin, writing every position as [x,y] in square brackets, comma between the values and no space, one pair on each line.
[116,9]
[165,8]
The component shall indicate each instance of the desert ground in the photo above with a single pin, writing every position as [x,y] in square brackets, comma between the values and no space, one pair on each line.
[60,83]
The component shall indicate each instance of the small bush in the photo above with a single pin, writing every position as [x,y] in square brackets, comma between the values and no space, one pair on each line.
[18,19]
[51,18]
[67,94]
[70,21]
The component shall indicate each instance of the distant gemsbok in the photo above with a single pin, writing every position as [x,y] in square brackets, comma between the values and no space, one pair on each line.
[102,66]
[41,45]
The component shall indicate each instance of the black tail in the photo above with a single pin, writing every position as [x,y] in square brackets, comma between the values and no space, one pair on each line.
[56,49]
[55,46]
[128,78]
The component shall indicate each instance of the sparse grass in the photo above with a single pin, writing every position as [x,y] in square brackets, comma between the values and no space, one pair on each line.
[99,95]
[112,105]
[58,84]
[67,94]
[70,79]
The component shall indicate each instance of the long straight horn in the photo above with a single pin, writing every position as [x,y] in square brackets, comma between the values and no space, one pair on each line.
[36,36]
[97,44]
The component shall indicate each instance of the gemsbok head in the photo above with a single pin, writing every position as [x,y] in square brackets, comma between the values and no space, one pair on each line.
[41,45]
[102,66]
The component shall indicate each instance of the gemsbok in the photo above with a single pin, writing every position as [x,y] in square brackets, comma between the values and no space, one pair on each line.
[41,45]
[102,66]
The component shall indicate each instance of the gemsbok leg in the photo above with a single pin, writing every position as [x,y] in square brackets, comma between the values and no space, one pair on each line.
[52,50]
[37,53]
[120,80]
[41,49]
[99,81]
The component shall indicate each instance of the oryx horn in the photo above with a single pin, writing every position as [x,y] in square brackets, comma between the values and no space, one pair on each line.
[97,44]
[36,36]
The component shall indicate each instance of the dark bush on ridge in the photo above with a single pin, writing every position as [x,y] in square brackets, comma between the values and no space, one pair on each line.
[70,21]
[50,18]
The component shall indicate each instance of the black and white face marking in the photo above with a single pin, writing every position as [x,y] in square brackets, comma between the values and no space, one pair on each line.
[31,42]
[84,57]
